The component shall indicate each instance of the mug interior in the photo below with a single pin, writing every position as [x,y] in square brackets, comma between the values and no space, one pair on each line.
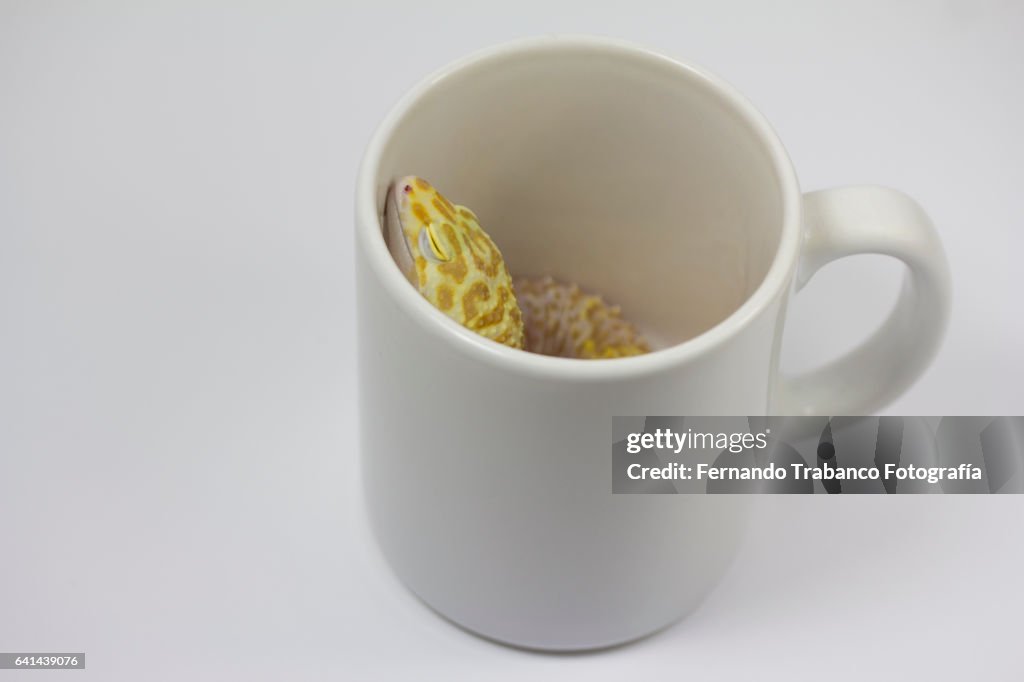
[622,171]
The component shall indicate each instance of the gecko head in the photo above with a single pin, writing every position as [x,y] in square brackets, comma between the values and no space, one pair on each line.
[413,227]
[445,253]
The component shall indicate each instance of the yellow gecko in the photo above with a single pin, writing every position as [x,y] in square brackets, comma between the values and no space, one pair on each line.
[445,253]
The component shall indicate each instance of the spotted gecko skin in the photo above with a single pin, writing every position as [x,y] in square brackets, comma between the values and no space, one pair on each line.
[445,253]
[561,320]
[451,260]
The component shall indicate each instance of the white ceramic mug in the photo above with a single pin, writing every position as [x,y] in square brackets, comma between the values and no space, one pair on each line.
[487,470]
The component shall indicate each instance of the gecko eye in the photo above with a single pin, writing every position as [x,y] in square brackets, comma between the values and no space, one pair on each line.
[430,245]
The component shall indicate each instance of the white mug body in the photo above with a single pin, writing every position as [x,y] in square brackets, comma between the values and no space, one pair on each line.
[487,470]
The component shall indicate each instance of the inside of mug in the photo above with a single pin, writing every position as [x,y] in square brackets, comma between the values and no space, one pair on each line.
[617,170]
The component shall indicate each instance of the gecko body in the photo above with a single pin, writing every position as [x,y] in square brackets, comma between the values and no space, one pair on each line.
[450,259]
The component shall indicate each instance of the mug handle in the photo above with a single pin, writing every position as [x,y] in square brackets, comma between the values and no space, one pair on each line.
[858,220]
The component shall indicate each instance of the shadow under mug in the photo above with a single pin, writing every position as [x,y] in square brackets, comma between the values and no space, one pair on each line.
[487,470]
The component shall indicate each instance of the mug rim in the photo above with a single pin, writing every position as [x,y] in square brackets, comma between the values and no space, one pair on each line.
[379,260]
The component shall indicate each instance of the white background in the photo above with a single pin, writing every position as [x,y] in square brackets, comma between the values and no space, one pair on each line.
[178,470]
